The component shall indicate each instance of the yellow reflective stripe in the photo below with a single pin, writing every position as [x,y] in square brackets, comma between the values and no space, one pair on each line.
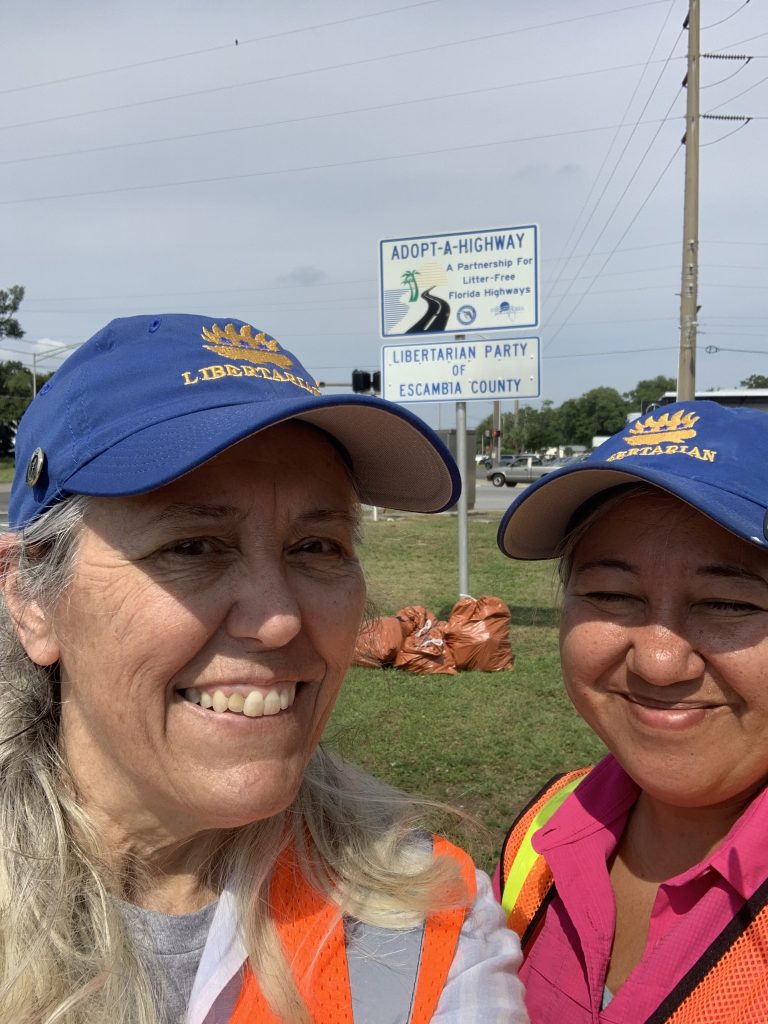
[526,855]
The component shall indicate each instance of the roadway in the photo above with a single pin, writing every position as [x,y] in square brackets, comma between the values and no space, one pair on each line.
[493,499]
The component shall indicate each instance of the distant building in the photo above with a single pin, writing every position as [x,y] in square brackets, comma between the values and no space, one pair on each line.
[749,398]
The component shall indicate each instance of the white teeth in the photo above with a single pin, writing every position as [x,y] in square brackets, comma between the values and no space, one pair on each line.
[220,702]
[272,703]
[255,705]
[236,702]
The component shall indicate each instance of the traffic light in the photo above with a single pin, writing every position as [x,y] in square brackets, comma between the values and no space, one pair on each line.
[495,433]
[361,380]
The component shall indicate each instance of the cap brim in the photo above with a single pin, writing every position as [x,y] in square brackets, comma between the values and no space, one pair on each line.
[534,526]
[398,461]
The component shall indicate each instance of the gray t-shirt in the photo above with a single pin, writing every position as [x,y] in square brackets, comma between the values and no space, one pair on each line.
[382,963]
[170,947]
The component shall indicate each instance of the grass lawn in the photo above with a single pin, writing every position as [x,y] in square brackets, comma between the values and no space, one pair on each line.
[482,741]
[6,471]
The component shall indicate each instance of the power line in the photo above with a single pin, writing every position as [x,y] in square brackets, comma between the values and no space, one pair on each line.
[726,18]
[216,49]
[328,67]
[740,94]
[307,167]
[612,352]
[613,211]
[618,159]
[316,117]
[610,255]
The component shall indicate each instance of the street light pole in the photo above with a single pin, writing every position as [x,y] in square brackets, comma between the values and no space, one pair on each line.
[686,373]
[39,357]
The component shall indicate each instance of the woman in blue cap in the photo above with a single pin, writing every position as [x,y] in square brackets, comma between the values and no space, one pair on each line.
[181,598]
[640,887]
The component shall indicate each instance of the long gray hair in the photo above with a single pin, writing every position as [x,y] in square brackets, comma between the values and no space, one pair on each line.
[64,954]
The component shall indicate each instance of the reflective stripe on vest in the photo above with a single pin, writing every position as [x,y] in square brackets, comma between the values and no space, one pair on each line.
[312,936]
[525,877]
[729,982]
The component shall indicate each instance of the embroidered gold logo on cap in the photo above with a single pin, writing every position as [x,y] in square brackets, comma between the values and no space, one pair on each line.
[243,344]
[650,430]
[35,467]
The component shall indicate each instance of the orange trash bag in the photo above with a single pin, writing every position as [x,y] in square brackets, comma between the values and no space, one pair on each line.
[424,650]
[477,633]
[378,642]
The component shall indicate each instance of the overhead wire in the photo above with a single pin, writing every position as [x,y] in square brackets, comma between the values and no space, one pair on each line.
[642,206]
[571,238]
[216,49]
[610,218]
[316,117]
[362,61]
[739,94]
[744,122]
[583,294]
[728,17]
[333,165]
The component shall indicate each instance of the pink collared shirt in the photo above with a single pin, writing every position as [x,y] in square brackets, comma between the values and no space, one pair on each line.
[564,972]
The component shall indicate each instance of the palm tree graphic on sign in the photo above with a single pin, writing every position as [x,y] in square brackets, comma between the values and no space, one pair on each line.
[409,278]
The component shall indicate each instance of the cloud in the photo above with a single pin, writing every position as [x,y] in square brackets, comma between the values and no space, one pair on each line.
[303,276]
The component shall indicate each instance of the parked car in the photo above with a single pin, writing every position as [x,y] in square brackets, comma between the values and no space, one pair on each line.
[520,469]
[489,463]
[566,460]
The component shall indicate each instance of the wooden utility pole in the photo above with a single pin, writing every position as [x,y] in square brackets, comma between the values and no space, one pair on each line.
[686,372]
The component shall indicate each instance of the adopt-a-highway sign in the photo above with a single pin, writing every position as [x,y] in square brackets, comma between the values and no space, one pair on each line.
[468,369]
[461,282]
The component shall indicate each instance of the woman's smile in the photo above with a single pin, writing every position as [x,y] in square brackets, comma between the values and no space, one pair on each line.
[252,702]
[664,649]
[223,608]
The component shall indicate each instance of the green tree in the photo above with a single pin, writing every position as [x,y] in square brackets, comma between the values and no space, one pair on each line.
[755,380]
[15,396]
[543,427]
[10,300]
[599,411]
[648,391]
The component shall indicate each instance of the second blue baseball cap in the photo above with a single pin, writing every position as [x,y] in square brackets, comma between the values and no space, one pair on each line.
[711,456]
[149,398]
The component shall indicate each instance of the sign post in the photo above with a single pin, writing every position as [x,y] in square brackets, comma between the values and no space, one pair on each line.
[461,458]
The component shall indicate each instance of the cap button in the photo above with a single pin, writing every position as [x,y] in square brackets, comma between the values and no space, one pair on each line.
[35,467]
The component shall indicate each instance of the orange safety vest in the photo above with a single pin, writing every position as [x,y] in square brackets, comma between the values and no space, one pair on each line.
[312,936]
[729,982]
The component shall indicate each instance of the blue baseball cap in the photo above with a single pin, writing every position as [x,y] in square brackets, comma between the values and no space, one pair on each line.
[713,457]
[149,398]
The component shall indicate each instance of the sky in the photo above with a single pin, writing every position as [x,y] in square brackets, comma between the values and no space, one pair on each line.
[244,159]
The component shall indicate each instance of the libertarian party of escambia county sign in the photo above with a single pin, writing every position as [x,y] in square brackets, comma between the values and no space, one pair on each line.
[460,282]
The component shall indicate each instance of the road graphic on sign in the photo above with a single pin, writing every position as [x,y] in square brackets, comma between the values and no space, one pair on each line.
[436,317]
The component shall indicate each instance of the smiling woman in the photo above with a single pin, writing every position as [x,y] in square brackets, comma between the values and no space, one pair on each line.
[182,595]
[640,888]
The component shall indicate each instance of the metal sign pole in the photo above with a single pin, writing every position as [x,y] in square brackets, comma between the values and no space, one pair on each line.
[461,458]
